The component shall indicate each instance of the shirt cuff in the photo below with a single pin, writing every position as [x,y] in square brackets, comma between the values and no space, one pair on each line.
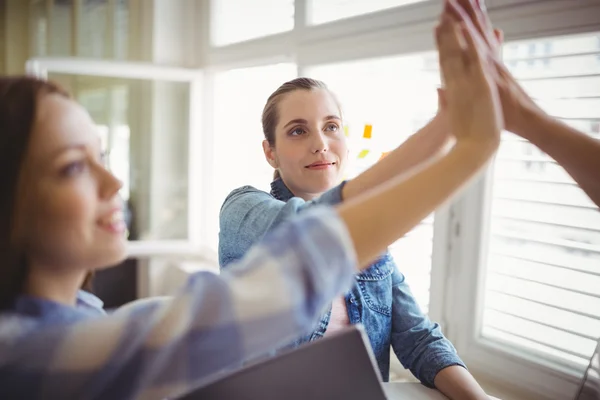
[437,365]
[332,196]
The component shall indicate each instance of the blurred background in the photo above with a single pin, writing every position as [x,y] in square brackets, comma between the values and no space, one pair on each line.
[511,269]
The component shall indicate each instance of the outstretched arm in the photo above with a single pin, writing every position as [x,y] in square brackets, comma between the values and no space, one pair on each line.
[576,152]
[424,146]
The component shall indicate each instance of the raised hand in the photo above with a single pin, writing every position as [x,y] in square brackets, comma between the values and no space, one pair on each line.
[473,103]
[517,105]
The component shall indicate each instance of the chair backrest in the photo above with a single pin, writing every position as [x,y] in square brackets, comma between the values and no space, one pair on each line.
[589,388]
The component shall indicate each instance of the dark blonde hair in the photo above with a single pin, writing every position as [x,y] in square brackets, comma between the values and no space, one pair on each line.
[270,115]
[19,98]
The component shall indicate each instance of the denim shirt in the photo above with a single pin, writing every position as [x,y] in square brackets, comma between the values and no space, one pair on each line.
[380,298]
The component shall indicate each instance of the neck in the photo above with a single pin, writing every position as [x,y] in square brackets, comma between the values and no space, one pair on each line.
[299,193]
[306,196]
[54,284]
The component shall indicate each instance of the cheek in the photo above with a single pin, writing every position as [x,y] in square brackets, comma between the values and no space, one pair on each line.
[66,208]
[291,155]
[340,148]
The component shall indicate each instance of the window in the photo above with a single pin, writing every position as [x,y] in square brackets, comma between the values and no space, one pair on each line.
[542,291]
[148,154]
[240,20]
[531,52]
[239,98]
[322,11]
[61,30]
[121,30]
[547,53]
[91,29]
[39,28]
[383,102]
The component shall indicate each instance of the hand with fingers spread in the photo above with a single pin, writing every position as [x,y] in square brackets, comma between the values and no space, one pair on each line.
[575,151]
[474,110]
[517,105]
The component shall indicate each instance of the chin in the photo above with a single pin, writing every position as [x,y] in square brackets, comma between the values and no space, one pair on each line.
[112,255]
[326,183]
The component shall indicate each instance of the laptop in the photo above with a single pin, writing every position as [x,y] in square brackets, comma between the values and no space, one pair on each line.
[339,366]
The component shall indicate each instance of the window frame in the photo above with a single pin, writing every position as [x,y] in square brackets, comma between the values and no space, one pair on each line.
[40,67]
[458,264]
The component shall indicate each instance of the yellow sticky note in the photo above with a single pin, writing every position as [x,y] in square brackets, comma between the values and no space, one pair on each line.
[346,131]
[368,131]
[363,153]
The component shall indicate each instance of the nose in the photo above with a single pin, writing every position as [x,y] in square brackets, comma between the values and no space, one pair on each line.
[319,143]
[109,184]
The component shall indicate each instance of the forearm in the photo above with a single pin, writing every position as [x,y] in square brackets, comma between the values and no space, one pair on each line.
[576,152]
[278,290]
[457,383]
[382,215]
[426,144]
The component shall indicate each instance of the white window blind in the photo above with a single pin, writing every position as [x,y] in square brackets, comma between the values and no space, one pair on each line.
[321,11]
[542,291]
[383,102]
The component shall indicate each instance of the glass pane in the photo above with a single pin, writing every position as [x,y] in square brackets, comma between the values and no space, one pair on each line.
[93,28]
[239,20]
[383,102]
[121,30]
[321,11]
[144,126]
[239,98]
[39,28]
[61,28]
[542,286]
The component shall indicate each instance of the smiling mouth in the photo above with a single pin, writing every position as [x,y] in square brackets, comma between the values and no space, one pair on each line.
[114,223]
[320,165]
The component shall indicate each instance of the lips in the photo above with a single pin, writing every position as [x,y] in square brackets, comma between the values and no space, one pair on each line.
[113,222]
[320,165]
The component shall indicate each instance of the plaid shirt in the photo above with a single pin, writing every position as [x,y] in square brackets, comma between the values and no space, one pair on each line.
[156,349]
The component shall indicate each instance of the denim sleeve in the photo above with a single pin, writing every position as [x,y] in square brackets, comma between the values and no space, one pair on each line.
[417,341]
[248,214]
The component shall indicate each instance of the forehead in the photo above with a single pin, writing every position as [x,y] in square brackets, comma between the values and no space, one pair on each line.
[60,122]
[307,104]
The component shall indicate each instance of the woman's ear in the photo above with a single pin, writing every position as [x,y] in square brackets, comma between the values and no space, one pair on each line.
[270,154]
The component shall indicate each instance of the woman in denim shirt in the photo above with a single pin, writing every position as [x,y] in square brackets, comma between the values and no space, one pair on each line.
[305,143]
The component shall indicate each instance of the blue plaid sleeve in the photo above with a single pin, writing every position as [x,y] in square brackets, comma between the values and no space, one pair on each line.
[158,349]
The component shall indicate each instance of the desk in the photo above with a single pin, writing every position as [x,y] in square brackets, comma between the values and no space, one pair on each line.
[411,391]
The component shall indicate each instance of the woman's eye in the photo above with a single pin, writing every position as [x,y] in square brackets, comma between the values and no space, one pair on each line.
[297,132]
[332,127]
[74,168]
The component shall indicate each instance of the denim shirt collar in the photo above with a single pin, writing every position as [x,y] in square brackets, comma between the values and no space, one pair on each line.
[280,191]
[49,311]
